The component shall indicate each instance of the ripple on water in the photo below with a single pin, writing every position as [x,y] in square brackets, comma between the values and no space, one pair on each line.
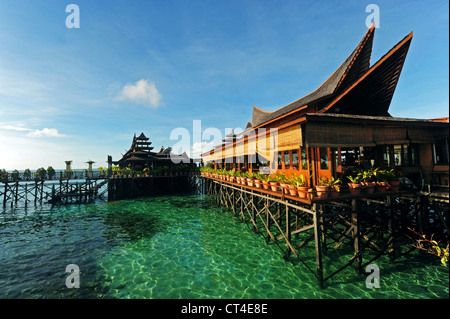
[176,247]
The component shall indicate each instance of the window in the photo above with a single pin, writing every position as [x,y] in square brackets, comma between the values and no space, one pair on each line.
[323,154]
[280,160]
[304,159]
[386,157]
[295,158]
[406,155]
[440,151]
[287,161]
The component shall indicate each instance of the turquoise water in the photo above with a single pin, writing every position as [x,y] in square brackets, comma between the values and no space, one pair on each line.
[177,247]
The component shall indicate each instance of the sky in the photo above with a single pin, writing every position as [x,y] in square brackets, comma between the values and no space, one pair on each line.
[159,67]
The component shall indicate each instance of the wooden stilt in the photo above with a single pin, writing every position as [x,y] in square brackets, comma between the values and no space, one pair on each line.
[356,235]
[288,232]
[317,239]
[391,249]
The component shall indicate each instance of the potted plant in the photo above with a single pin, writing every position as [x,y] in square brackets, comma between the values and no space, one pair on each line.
[335,186]
[382,184]
[322,187]
[301,184]
[292,188]
[355,184]
[393,180]
[282,179]
[367,180]
[273,181]
[257,180]
[264,181]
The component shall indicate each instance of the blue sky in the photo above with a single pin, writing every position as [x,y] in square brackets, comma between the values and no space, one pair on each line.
[152,66]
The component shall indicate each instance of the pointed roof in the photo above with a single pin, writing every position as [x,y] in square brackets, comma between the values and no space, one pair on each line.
[372,93]
[356,64]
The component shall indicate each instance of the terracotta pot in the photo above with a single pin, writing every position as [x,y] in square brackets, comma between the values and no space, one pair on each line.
[395,185]
[265,185]
[334,192]
[258,183]
[369,187]
[355,189]
[302,191]
[274,186]
[322,191]
[250,182]
[232,179]
[285,188]
[381,187]
[292,190]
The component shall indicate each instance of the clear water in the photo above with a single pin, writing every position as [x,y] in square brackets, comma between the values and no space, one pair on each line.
[177,247]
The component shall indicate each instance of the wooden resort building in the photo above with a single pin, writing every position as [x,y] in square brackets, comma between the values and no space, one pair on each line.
[343,127]
[344,123]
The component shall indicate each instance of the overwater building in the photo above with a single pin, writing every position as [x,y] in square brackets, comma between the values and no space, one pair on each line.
[344,123]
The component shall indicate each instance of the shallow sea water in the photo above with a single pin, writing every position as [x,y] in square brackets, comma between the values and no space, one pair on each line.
[178,247]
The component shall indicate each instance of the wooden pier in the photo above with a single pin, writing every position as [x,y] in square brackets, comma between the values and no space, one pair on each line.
[94,186]
[372,225]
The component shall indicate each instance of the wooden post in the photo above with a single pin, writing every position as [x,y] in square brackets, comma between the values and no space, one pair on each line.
[26,193]
[288,232]
[317,239]
[391,249]
[356,234]
[268,219]
[253,213]
[4,194]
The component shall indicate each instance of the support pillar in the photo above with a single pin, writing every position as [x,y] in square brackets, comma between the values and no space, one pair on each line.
[317,239]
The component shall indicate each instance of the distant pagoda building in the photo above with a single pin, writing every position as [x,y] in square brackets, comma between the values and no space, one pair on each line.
[140,156]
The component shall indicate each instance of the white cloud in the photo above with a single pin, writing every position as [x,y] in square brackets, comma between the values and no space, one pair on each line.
[18,127]
[46,132]
[141,92]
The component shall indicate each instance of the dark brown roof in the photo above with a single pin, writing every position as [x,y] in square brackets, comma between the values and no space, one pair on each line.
[372,93]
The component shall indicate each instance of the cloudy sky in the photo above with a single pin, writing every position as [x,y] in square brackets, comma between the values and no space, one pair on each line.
[157,66]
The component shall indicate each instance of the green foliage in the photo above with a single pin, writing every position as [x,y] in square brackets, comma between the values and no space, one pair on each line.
[51,172]
[298,180]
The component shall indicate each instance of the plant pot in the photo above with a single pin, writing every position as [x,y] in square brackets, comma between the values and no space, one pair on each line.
[369,187]
[334,192]
[250,182]
[292,190]
[274,186]
[355,189]
[381,187]
[285,188]
[322,191]
[232,179]
[258,183]
[265,185]
[395,185]
[302,191]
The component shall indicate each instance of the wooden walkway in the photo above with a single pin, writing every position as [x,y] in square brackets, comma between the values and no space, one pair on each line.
[370,224]
[76,190]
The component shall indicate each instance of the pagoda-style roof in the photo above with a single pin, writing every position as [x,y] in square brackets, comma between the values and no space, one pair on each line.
[354,88]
